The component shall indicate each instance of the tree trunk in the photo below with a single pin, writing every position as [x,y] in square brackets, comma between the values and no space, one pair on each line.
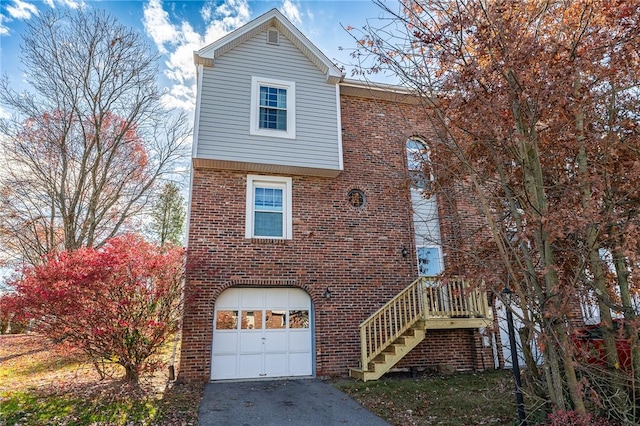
[131,374]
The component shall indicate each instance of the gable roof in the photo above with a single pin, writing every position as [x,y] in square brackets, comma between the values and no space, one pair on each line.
[273,18]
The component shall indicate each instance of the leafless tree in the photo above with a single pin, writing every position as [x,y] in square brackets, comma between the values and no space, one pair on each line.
[88,144]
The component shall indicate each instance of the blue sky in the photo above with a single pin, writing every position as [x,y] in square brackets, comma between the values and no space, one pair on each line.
[177,28]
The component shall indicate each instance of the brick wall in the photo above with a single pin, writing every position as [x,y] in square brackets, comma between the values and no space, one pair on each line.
[356,252]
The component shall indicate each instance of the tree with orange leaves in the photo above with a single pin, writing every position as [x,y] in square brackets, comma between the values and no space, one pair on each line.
[87,150]
[536,104]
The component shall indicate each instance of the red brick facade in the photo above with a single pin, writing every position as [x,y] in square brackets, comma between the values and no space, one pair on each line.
[356,252]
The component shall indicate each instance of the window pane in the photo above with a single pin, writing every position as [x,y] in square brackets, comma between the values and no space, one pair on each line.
[226,320]
[267,224]
[429,261]
[268,199]
[273,118]
[275,319]
[299,319]
[273,97]
[251,320]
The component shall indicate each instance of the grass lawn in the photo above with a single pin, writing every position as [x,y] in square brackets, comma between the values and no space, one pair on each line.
[42,383]
[454,400]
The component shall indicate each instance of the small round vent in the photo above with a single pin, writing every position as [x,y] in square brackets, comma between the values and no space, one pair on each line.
[356,198]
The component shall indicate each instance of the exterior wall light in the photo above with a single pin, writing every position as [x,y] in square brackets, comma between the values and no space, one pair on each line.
[404,251]
[327,293]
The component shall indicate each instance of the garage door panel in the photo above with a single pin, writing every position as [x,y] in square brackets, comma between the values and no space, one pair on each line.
[228,299]
[299,365]
[225,342]
[276,365]
[250,342]
[250,365]
[298,298]
[299,341]
[277,297]
[276,341]
[224,366]
[251,299]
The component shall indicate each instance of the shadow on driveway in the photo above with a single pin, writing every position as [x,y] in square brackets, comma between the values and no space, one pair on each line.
[281,402]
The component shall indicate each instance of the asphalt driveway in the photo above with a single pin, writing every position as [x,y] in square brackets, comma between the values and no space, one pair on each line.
[299,402]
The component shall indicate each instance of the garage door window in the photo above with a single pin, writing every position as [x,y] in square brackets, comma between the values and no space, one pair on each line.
[299,319]
[251,320]
[276,319]
[227,320]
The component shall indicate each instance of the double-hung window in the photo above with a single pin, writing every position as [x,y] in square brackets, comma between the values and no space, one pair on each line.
[268,207]
[272,108]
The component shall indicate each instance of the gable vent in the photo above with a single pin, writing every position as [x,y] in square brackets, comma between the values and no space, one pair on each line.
[273,36]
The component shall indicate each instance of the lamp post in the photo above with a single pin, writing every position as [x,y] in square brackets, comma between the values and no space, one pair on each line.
[507,293]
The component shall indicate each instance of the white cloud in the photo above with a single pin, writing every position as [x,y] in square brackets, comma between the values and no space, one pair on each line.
[21,10]
[292,12]
[4,30]
[71,3]
[156,24]
[178,40]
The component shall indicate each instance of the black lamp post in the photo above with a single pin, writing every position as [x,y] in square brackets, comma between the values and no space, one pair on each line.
[506,293]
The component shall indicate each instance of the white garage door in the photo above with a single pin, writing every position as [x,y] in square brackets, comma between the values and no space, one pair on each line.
[261,332]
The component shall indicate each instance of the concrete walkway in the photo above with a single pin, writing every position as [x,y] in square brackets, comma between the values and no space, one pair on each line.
[298,402]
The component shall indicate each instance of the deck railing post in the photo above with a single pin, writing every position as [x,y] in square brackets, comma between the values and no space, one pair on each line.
[363,346]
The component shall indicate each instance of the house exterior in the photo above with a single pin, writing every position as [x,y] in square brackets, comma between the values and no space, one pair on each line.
[307,215]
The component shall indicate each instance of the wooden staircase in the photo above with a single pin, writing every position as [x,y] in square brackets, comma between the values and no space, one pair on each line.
[402,323]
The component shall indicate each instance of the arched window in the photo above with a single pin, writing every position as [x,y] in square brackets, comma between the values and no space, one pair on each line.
[418,164]
[426,224]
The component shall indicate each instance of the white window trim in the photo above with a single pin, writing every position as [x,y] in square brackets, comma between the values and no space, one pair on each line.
[254,116]
[256,180]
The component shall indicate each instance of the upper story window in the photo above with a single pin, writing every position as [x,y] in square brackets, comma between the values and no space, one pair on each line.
[272,108]
[418,164]
[268,212]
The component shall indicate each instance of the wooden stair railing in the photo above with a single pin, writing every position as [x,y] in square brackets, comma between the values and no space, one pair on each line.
[389,322]
[398,326]
[453,298]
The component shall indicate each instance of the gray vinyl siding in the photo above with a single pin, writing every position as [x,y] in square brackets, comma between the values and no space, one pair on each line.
[225,108]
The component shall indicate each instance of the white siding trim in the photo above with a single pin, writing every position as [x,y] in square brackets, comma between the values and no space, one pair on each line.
[254,116]
[287,228]
[186,238]
[196,117]
[339,124]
